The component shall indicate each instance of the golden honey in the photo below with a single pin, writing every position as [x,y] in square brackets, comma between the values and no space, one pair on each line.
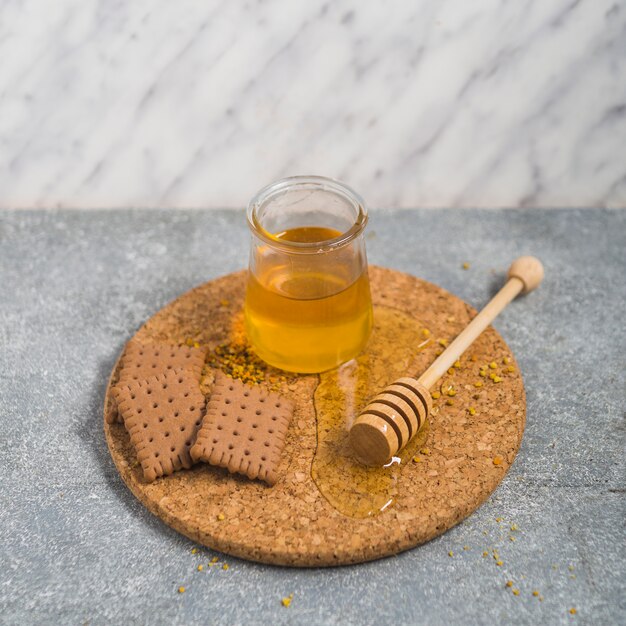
[350,487]
[306,315]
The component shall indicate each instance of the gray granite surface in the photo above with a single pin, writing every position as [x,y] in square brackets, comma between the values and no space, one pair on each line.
[75,545]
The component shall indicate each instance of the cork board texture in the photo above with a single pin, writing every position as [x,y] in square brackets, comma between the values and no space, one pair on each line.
[325,509]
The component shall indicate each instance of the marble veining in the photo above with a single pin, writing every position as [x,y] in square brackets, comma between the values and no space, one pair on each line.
[198,104]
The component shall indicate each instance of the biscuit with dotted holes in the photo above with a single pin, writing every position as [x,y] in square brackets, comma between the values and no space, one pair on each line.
[162,415]
[140,361]
[244,429]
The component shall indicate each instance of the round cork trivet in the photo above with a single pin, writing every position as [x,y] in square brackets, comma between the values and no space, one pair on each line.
[292,523]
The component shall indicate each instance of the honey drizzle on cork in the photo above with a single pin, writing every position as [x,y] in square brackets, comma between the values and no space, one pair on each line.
[349,486]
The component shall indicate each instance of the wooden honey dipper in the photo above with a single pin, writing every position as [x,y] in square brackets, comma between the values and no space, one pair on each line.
[395,415]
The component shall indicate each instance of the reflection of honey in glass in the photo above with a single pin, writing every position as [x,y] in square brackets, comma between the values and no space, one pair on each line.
[308,321]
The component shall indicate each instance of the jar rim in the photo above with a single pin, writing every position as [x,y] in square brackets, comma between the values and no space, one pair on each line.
[321,182]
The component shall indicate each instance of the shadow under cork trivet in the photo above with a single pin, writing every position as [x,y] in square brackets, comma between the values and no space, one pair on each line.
[472,440]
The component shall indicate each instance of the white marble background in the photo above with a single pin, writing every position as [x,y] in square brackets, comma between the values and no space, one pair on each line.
[154,103]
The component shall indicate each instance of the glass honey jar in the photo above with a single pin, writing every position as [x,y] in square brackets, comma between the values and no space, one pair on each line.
[308,303]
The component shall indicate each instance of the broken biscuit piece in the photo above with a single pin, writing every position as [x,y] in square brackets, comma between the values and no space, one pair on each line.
[162,415]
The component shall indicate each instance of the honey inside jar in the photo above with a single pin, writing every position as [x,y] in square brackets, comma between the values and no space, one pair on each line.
[308,313]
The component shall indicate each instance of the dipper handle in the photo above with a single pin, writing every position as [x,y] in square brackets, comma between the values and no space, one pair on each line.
[395,415]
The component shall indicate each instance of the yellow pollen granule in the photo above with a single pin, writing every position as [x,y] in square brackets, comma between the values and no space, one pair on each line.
[449,402]
[509,583]
[516,592]
[570,568]
[221,517]
[485,555]
[181,590]
[435,395]
[510,369]
[451,393]
[478,383]
[425,451]
[482,373]
[511,538]
[457,364]
[513,527]
[450,371]
[438,352]
[450,553]
[498,563]
[214,559]
[506,360]
[200,568]
[498,519]
[536,593]
[416,459]
[442,342]
[425,333]
[497,460]
[194,550]
[465,266]
[287,601]
[225,566]
[493,365]
[496,379]
[573,611]
[472,410]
